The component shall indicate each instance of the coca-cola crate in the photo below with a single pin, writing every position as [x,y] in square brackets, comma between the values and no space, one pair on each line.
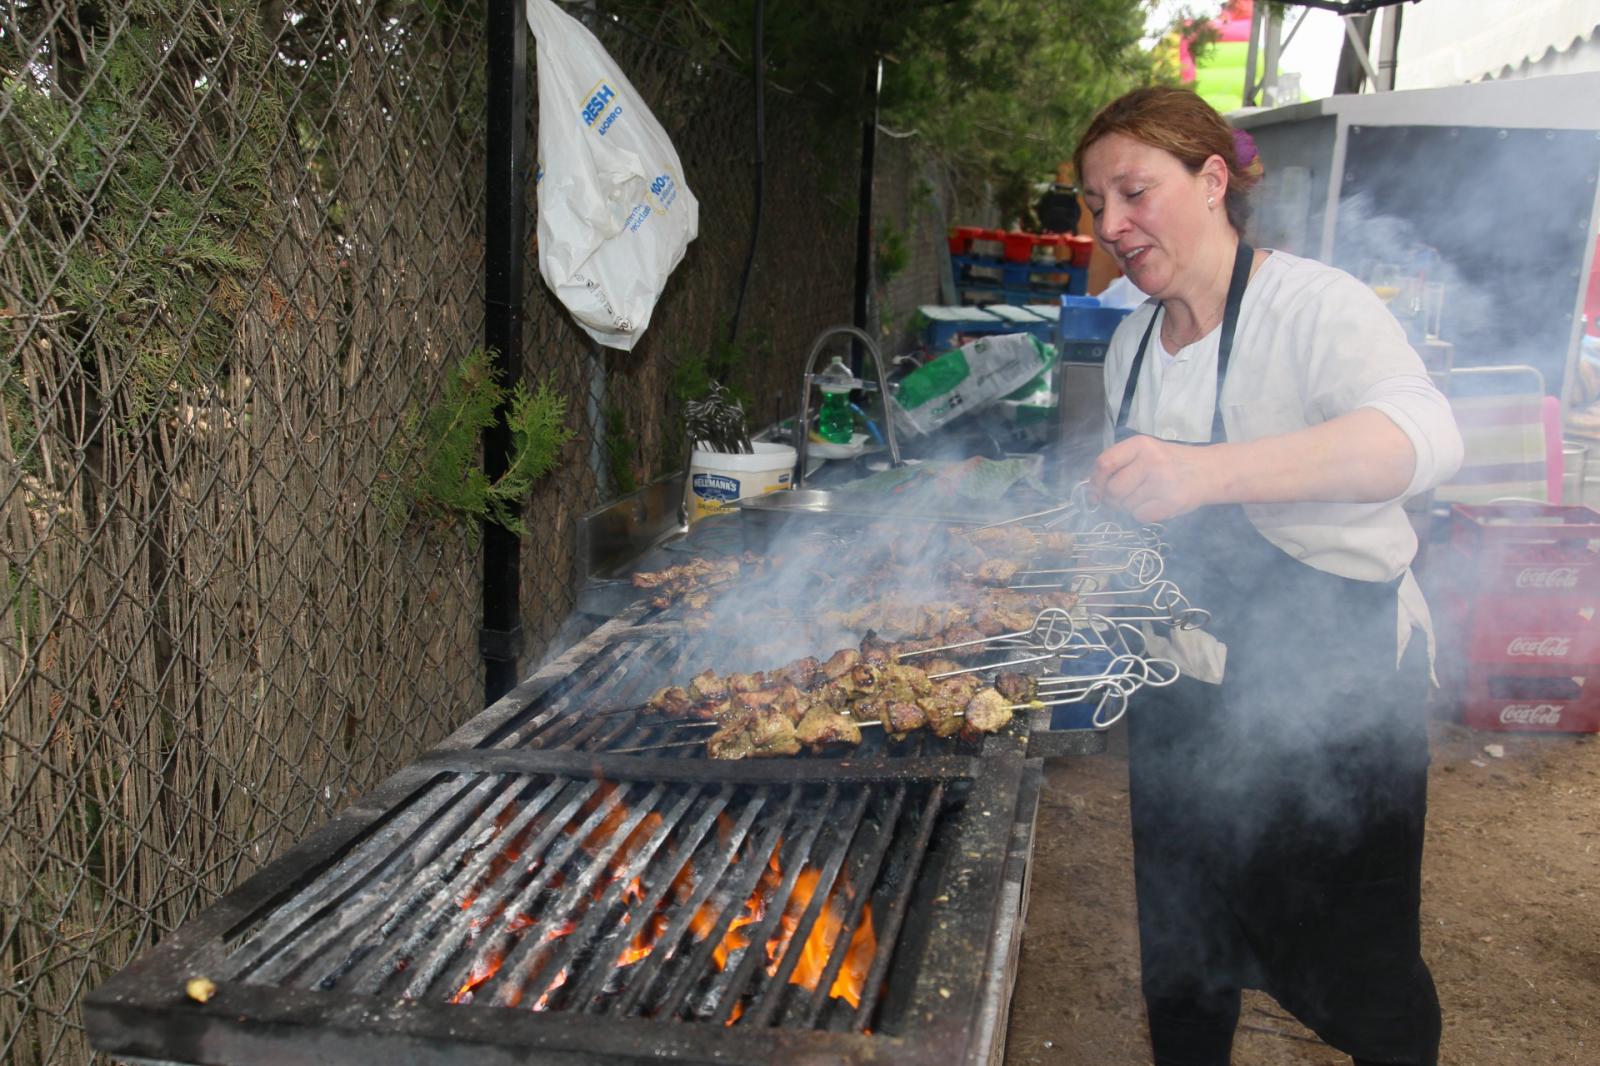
[1519,632]
[1523,550]
[1528,699]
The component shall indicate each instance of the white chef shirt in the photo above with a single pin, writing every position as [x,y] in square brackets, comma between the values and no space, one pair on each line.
[1311,343]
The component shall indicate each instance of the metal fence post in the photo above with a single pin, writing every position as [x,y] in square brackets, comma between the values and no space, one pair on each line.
[500,638]
[864,257]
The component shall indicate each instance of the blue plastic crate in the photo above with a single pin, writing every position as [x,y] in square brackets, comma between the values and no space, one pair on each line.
[1090,323]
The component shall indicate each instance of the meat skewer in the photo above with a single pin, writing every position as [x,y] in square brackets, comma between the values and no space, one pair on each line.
[898,698]
[768,735]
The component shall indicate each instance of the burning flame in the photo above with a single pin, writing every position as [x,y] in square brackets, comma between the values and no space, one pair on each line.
[815,951]
[819,943]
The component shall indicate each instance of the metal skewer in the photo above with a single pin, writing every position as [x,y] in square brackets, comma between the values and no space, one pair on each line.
[1142,566]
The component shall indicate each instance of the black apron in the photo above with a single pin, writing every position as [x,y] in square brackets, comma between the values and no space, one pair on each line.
[1277,817]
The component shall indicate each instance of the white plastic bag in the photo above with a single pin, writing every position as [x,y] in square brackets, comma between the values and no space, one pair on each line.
[614,213]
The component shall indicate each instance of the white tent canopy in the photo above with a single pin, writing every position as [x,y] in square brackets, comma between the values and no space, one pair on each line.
[1449,42]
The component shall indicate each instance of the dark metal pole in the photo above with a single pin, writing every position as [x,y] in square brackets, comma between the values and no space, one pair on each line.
[758,63]
[505,222]
[869,152]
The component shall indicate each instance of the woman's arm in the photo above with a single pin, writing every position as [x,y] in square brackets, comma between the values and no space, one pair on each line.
[1359,457]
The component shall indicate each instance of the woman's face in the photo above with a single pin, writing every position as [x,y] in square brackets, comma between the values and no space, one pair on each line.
[1149,211]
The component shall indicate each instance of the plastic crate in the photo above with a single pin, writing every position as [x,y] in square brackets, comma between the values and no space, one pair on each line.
[1529,699]
[1019,247]
[1515,594]
[1521,634]
[1511,552]
[1096,323]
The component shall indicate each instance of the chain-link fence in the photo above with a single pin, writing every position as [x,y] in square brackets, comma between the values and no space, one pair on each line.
[242,252]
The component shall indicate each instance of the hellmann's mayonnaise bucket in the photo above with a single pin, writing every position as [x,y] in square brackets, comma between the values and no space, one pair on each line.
[717,480]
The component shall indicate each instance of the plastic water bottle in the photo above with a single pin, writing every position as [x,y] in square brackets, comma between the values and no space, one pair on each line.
[835,422]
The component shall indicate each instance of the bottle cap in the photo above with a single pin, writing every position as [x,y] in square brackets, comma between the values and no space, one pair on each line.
[836,378]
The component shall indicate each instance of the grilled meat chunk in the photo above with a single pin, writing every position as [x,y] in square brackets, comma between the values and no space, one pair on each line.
[822,725]
[747,682]
[706,685]
[900,718]
[840,663]
[1004,541]
[875,651]
[986,712]
[754,735]
[801,672]
[1018,688]
[1056,542]
[904,683]
[671,701]
[754,701]
[997,571]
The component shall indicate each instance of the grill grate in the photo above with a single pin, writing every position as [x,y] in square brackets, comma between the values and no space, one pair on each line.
[554,891]
[570,894]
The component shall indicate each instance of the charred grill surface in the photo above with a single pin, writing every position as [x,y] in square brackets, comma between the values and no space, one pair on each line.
[517,910]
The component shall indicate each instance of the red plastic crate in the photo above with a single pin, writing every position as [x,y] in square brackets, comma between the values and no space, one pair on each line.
[1019,246]
[1545,637]
[960,238]
[1529,699]
[1521,551]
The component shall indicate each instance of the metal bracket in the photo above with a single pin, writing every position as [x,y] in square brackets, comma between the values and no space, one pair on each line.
[501,645]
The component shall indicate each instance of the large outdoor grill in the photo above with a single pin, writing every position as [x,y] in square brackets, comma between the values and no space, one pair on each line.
[569,879]
[520,895]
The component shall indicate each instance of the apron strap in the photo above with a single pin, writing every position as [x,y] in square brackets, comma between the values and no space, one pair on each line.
[1242,259]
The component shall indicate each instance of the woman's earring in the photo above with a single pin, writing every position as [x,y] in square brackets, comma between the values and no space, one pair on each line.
[1211,201]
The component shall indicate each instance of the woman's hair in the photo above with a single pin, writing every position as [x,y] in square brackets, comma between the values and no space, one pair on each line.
[1178,122]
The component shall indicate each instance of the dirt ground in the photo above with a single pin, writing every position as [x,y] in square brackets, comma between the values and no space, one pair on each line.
[1510,907]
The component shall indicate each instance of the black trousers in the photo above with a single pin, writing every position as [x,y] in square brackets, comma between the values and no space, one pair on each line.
[1278,845]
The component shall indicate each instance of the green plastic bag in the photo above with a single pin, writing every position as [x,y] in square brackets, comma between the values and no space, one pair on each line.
[967,379]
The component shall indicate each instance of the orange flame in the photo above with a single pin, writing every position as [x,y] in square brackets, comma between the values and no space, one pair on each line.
[482,970]
[819,943]
[814,952]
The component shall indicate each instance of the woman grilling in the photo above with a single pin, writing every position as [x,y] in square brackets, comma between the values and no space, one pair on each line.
[1268,410]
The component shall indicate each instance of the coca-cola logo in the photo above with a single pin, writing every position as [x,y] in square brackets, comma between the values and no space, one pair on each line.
[1530,714]
[1547,577]
[1540,647]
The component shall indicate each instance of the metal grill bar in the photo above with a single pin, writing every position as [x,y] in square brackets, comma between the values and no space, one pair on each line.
[522,975]
[317,912]
[594,979]
[596,676]
[372,968]
[895,913]
[672,1002]
[822,895]
[436,956]
[645,980]
[866,878]
[451,843]
[776,905]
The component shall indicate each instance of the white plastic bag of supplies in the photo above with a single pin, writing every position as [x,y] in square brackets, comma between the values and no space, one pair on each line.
[614,213]
[972,376]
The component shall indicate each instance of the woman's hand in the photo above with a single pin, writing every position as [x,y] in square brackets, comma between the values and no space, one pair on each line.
[1153,480]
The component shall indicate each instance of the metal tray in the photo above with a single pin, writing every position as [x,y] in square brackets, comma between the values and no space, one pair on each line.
[785,512]
[858,505]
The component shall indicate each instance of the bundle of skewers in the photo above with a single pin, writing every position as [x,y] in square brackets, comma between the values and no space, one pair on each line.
[1018,615]
[904,686]
[817,704]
